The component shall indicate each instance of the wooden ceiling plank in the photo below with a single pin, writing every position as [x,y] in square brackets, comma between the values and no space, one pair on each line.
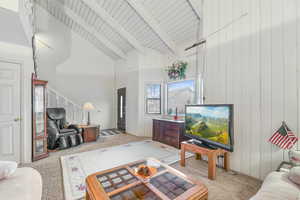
[195,9]
[113,23]
[70,13]
[146,16]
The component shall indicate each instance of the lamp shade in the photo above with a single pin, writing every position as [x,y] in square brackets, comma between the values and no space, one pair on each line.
[88,106]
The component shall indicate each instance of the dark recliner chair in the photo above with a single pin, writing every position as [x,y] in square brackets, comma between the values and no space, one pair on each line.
[60,135]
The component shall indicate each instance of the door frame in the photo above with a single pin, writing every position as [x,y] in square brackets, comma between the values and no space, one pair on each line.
[23,117]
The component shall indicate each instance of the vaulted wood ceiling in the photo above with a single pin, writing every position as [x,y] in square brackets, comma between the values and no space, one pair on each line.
[119,26]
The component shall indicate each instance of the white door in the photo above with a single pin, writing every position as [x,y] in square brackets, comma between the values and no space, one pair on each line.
[9,111]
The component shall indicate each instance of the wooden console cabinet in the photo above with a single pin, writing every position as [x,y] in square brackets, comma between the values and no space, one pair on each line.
[169,132]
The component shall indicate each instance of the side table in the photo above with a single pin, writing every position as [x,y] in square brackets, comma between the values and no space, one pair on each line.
[90,133]
[210,153]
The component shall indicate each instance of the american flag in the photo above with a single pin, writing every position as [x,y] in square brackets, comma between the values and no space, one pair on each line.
[284,138]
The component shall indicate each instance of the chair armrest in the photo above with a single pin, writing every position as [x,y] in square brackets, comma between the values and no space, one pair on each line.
[73,126]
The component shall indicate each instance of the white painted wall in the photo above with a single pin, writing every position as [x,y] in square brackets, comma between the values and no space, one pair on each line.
[11,28]
[152,70]
[10,5]
[133,73]
[25,15]
[14,47]
[252,64]
[141,69]
[75,68]
[127,75]
[255,65]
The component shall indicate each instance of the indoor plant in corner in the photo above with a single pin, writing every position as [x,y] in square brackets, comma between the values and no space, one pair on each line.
[177,70]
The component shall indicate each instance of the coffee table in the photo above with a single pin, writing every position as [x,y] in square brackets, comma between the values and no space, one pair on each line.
[123,183]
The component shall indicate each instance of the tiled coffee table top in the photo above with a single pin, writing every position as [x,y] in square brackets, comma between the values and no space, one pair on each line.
[122,183]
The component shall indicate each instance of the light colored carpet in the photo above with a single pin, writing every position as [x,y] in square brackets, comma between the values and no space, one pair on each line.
[76,167]
[226,187]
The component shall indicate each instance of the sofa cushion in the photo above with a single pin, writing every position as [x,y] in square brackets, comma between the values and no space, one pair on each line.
[294,157]
[277,186]
[7,168]
[25,184]
[294,175]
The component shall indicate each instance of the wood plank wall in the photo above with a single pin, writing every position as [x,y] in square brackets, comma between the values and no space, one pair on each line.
[254,64]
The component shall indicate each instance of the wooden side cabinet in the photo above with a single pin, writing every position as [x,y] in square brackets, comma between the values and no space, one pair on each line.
[39,122]
[168,132]
[90,132]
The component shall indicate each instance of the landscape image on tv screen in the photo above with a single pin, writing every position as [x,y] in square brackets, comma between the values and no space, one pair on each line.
[209,122]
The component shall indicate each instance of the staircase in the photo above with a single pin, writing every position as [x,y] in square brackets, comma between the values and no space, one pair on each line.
[74,112]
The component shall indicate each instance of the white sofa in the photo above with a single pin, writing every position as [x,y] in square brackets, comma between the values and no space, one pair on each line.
[277,186]
[24,184]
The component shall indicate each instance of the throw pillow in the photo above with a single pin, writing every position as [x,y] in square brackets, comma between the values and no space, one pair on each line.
[7,168]
[294,175]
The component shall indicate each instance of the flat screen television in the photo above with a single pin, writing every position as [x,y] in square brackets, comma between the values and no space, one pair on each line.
[210,124]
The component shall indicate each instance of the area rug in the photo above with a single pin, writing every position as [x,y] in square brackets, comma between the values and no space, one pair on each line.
[77,167]
[109,132]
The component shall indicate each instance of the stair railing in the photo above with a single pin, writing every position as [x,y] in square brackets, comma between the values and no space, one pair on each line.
[74,112]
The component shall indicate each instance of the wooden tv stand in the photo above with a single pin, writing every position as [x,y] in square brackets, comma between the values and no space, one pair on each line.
[210,153]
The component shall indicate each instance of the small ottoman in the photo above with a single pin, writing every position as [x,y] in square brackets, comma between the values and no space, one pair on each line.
[25,184]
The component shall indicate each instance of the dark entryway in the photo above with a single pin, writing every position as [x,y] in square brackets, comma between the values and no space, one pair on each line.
[121,109]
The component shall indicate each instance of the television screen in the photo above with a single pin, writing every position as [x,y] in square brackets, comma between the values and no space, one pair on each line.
[211,124]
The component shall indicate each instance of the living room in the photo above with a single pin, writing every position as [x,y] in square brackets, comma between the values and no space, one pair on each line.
[90,88]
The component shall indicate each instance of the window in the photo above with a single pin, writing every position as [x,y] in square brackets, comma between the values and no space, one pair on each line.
[179,94]
[121,106]
[153,99]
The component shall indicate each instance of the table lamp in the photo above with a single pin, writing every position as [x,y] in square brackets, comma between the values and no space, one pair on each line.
[88,107]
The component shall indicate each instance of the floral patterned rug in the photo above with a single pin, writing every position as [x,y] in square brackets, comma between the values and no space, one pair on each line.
[77,167]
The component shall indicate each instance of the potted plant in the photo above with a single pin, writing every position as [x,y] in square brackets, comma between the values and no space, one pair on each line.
[177,70]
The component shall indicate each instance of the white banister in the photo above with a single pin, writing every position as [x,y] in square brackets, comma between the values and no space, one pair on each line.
[74,112]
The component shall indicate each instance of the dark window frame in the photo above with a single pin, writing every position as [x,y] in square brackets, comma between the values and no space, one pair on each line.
[159,99]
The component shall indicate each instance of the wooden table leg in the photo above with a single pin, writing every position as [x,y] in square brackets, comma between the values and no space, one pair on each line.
[198,156]
[212,166]
[87,196]
[182,156]
[226,161]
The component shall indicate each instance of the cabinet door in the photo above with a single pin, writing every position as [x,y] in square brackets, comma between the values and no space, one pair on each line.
[39,147]
[161,132]
[39,131]
[90,134]
[171,135]
[172,130]
[155,130]
[39,110]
